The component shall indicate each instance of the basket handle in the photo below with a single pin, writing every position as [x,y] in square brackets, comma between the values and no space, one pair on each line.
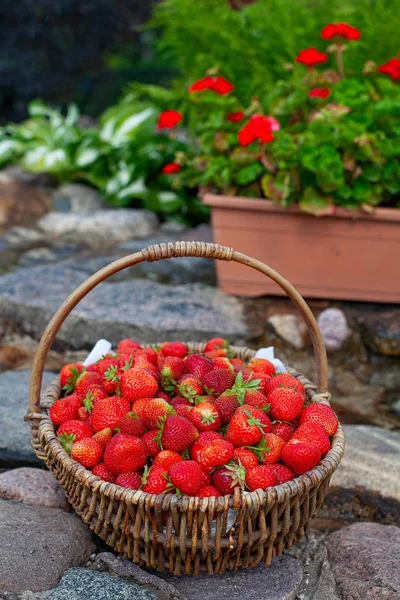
[161,252]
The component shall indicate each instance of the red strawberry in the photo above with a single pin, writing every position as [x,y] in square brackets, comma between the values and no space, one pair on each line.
[218,381]
[270,449]
[205,438]
[300,456]
[283,473]
[138,383]
[323,414]
[183,411]
[198,365]
[180,400]
[155,410]
[84,383]
[261,477]
[216,344]
[211,399]
[215,454]
[150,440]
[178,349]
[186,476]
[131,479]
[101,471]
[172,368]
[284,380]
[205,417]
[286,404]
[284,430]
[111,379]
[189,387]
[104,364]
[246,457]
[65,409]
[247,426]
[150,354]
[68,376]
[313,433]
[177,433]
[127,346]
[125,453]
[103,436]
[139,405]
[227,404]
[142,362]
[94,394]
[132,424]
[73,431]
[224,480]
[87,452]
[108,412]
[222,362]
[166,458]
[155,480]
[261,365]
[208,491]
[160,393]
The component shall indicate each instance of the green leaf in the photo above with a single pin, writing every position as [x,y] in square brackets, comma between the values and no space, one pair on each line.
[249,173]
[315,203]
[278,187]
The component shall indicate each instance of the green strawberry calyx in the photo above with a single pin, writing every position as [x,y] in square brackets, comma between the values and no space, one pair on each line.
[67,440]
[239,387]
[261,449]
[254,421]
[69,387]
[237,473]
[88,402]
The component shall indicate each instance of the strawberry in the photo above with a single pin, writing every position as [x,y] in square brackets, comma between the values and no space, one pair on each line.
[261,477]
[65,409]
[205,438]
[172,368]
[130,479]
[138,383]
[205,417]
[73,431]
[142,362]
[283,473]
[215,454]
[84,383]
[87,452]
[150,354]
[211,399]
[218,381]
[224,480]
[261,365]
[246,457]
[222,362]
[300,456]
[284,380]
[286,404]
[247,426]
[125,453]
[227,404]
[313,433]
[127,346]
[111,379]
[178,349]
[160,393]
[177,433]
[101,471]
[237,363]
[216,344]
[323,414]
[132,424]
[94,394]
[91,368]
[177,400]
[68,376]
[284,430]
[186,476]
[198,365]
[156,409]
[189,387]
[108,412]
[103,436]
[269,449]
[155,480]
[208,491]
[139,405]
[104,364]
[166,458]
[183,411]
[150,440]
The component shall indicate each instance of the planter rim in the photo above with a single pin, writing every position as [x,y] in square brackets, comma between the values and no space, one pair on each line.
[265,205]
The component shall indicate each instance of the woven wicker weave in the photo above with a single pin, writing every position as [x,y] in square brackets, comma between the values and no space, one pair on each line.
[179,533]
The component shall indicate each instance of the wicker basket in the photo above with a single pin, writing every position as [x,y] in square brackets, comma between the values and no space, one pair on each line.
[179,533]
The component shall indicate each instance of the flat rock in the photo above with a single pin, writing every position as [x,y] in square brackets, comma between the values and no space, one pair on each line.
[76,197]
[20,203]
[38,544]
[333,325]
[291,328]
[141,309]
[365,561]
[32,486]
[84,584]
[381,332]
[279,581]
[15,438]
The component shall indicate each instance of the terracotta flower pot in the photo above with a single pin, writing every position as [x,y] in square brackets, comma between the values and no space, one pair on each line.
[334,256]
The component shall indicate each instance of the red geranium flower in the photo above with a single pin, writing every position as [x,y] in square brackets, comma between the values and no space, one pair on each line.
[341,29]
[216,84]
[235,117]
[168,119]
[258,128]
[171,168]
[311,57]
[319,93]
[391,68]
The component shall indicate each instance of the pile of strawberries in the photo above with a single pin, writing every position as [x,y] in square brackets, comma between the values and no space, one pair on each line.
[163,420]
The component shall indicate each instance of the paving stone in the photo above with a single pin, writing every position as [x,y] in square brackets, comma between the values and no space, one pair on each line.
[32,486]
[381,332]
[333,325]
[15,439]
[76,197]
[38,544]
[21,203]
[291,328]
[84,584]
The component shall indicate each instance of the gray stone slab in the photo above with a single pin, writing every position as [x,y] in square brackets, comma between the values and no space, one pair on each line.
[15,438]
[38,544]
[33,486]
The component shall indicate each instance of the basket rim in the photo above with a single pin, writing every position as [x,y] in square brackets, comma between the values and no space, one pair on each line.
[180,503]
